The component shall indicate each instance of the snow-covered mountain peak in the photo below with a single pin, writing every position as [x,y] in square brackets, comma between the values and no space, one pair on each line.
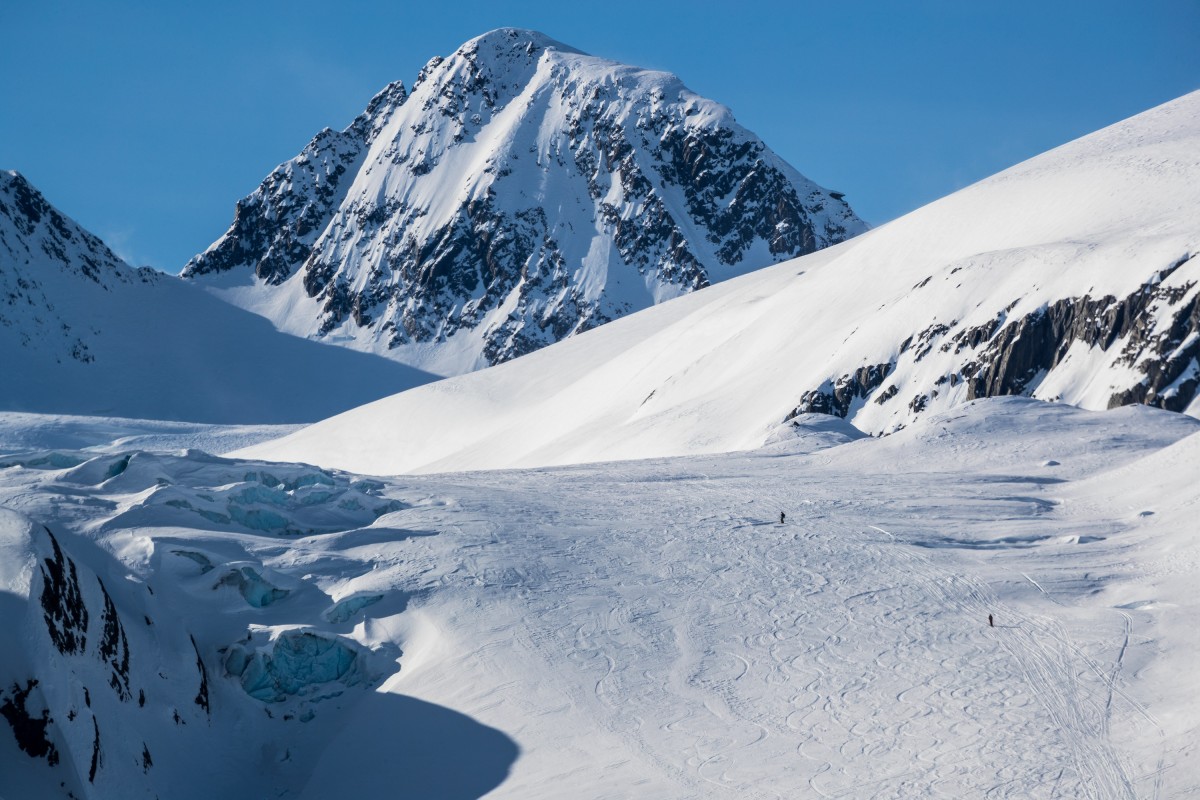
[41,252]
[521,193]
[504,53]
[1071,277]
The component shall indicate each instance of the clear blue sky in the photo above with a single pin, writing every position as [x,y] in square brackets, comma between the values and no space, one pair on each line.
[147,121]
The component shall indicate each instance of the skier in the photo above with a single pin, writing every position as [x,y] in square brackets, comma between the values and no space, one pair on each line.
[781,516]
[991,624]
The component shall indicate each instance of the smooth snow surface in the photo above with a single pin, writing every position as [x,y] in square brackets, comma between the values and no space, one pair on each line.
[720,370]
[631,629]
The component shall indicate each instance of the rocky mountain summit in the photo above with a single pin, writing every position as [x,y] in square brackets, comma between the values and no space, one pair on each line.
[522,192]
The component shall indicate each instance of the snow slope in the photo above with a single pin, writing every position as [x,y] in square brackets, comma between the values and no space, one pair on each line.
[613,630]
[523,192]
[83,333]
[1070,277]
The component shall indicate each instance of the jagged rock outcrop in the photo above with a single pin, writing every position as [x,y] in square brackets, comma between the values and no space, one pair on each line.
[837,397]
[300,196]
[1149,338]
[63,608]
[522,192]
[1157,328]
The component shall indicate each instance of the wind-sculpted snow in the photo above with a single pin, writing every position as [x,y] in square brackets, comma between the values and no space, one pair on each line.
[347,609]
[1072,278]
[523,192]
[645,628]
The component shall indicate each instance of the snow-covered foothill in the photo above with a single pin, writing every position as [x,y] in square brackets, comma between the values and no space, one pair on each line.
[82,332]
[1071,277]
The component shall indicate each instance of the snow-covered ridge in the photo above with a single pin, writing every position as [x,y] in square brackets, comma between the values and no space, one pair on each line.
[523,192]
[82,332]
[1070,277]
[40,246]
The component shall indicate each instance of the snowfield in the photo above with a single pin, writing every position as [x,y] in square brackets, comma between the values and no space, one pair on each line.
[638,628]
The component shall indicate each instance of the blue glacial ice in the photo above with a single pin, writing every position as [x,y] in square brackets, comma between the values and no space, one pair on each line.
[257,590]
[294,663]
[343,610]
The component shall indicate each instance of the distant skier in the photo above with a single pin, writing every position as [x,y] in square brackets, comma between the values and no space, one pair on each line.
[781,517]
[991,623]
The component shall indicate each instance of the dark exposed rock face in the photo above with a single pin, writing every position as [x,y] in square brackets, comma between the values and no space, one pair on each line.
[96,753]
[202,693]
[1151,336]
[1178,368]
[1033,345]
[63,608]
[28,726]
[836,396]
[510,190]
[114,648]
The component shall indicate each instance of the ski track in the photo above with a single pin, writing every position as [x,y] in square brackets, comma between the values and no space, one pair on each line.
[814,658]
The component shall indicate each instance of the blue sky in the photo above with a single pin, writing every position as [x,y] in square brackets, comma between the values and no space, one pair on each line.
[147,121]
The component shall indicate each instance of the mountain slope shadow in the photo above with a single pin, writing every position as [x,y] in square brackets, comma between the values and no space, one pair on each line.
[394,746]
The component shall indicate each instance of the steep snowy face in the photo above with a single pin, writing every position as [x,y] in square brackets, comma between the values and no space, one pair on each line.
[523,192]
[1072,277]
[82,332]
